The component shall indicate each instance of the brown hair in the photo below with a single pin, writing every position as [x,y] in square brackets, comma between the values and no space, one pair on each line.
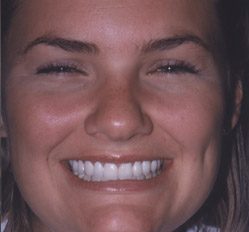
[228,204]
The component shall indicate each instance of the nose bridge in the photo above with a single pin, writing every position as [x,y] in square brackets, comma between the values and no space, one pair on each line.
[118,115]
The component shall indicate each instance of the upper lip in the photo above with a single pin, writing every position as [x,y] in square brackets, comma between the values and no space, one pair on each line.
[117,155]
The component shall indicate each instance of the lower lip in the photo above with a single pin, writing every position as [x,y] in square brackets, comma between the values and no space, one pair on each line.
[120,185]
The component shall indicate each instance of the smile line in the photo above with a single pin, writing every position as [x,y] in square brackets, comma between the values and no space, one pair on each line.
[102,172]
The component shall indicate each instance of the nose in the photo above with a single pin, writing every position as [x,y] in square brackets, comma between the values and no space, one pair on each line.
[118,116]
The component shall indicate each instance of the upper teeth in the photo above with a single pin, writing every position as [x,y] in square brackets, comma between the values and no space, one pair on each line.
[98,171]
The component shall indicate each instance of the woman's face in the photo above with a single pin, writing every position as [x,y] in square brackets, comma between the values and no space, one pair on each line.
[113,84]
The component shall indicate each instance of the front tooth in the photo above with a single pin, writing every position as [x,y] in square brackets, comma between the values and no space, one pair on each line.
[89,168]
[75,167]
[71,163]
[146,167]
[110,171]
[98,171]
[81,168]
[154,166]
[137,170]
[125,171]
[87,178]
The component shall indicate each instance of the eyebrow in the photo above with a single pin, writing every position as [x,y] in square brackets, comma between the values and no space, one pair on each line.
[86,47]
[65,44]
[173,42]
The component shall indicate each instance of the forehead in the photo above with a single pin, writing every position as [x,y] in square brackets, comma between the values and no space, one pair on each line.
[111,20]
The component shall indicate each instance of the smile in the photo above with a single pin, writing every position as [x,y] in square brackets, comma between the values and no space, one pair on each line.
[100,172]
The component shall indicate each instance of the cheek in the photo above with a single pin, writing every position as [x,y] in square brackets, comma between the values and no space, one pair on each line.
[37,124]
[40,121]
[192,118]
[192,122]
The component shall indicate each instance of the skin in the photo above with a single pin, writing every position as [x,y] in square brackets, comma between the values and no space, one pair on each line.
[120,107]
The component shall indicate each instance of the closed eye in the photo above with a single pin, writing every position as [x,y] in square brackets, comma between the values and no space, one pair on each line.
[59,69]
[174,67]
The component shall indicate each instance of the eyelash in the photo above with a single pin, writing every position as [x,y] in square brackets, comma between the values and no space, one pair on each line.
[174,67]
[59,69]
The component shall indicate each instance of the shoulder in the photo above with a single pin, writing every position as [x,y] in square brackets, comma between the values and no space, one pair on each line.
[3,225]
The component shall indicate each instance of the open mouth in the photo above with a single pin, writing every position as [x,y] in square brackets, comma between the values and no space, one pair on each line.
[101,171]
